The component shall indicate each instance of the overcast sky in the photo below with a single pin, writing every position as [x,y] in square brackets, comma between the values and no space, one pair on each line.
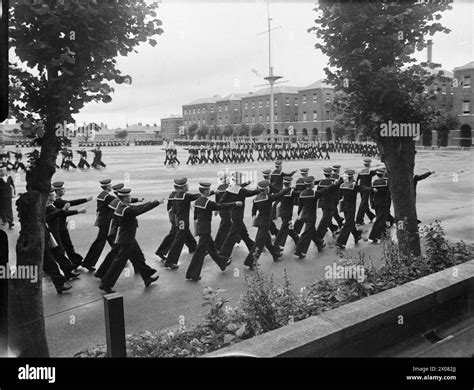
[210,48]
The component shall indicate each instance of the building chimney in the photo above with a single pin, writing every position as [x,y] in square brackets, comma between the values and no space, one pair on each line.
[430,51]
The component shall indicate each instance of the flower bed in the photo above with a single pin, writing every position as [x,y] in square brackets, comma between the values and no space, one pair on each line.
[265,306]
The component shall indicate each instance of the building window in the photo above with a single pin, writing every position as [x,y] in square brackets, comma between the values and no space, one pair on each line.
[327,115]
[194,110]
[253,104]
[287,101]
[296,102]
[219,108]
[315,115]
[275,102]
[443,89]
[315,98]
[246,105]
[226,108]
[287,117]
[304,99]
[467,82]
[328,101]
[304,116]
[466,107]
[268,103]
[268,118]
[260,103]
[246,119]
[276,117]
[260,118]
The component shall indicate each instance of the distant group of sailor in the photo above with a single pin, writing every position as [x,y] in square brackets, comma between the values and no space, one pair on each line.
[68,156]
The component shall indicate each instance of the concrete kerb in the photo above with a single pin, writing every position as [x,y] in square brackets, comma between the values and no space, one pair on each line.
[368,319]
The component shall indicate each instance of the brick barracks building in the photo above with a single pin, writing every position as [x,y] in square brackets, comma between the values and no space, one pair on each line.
[308,109]
[462,106]
[315,117]
[292,108]
[170,127]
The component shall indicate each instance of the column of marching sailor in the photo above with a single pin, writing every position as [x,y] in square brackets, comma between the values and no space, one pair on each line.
[276,197]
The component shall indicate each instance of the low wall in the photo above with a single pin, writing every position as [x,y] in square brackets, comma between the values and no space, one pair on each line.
[364,327]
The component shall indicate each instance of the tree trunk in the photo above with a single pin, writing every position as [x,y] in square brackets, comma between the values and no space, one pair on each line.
[27,329]
[28,335]
[399,158]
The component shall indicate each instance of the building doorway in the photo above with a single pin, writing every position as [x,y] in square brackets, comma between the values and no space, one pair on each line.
[328,134]
[466,136]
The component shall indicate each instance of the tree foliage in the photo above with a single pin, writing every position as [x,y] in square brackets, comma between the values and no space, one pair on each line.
[228,130]
[121,134]
[368,57]
[257,129]
[203,131]
[370,46]
[192,130]
[443,122]
[214,131]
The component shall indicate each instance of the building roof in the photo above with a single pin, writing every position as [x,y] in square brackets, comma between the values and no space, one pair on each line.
[317,85]
[140,128]
[469,65]
[279,89]
[447,73]
[174,117]
[232,96]
[208,100]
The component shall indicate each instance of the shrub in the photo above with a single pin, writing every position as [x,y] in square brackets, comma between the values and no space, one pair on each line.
[265,306]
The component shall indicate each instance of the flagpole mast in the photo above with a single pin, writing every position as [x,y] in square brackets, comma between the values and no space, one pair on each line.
[271,78]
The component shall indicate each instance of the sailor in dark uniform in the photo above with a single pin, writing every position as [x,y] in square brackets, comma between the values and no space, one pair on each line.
[349,191]
[182,204]
[97,162]
[335,176]
[55,244]
[104,215]
[63,228]
[127,229]
[7,192]
[326,203]
[224,213]
[238,230]
[273,190]
[83,159]
[165,245]
[300,187]
[112,235]
[203,208]
[261,211]
[18,160]
[382,201]
[277,175]
[50,265]
[287,202]
[309,201]
[364,179]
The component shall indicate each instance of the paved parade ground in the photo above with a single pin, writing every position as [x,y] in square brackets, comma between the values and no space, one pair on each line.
[75,320]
